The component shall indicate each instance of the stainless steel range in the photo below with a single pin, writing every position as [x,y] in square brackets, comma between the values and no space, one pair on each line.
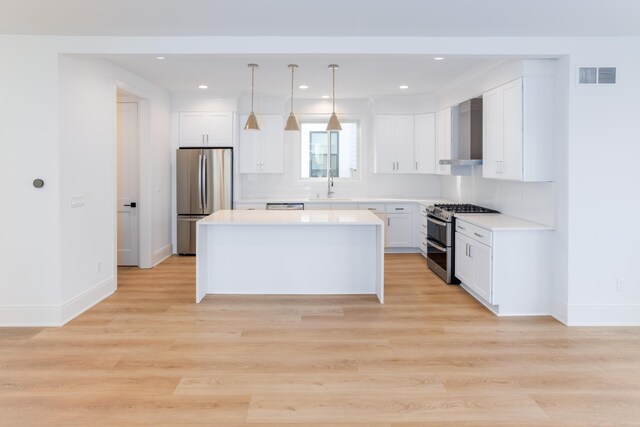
[441,237]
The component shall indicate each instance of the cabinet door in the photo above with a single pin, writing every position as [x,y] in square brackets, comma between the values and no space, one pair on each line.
[425,143]
[249,149]
[192,129]
[404,143]
[443,140]
[492,133]
[512,130]
[385,145]
[462,260]
[481,270]
[219,129]
[399,230]
[272,141]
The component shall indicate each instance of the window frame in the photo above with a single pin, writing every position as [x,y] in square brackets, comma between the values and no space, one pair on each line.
[317,119]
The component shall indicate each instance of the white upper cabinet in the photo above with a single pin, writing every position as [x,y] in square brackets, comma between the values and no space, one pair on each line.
[206,129]
[518,130]
[394,144]
[425,143]
[443,140]
[262,151]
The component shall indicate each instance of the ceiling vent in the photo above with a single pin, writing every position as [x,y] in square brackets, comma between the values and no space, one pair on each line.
[596,75]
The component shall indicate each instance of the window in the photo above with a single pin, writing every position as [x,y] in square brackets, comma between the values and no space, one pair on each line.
[315,150]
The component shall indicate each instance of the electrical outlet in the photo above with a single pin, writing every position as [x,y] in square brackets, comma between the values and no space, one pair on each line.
[620,284]
[98,266]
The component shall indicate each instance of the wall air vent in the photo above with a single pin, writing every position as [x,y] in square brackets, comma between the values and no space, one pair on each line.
[596,75]
[607,75]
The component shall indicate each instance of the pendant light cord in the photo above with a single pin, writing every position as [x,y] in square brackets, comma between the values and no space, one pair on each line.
[292,70]
[253,73]
[334,89]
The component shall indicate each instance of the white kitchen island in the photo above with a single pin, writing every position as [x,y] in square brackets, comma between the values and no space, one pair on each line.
[290,252]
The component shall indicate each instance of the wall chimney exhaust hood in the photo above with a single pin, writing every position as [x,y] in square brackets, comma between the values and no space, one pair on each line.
[466,147]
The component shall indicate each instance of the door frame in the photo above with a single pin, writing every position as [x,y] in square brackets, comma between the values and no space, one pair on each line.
[145,252]
[129,99]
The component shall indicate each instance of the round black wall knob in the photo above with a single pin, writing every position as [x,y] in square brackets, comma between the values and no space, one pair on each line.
[38,183]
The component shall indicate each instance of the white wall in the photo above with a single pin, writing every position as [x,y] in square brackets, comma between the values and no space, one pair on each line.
[603,154]
[87,169]
[601,150]
[59,125]
[30,237]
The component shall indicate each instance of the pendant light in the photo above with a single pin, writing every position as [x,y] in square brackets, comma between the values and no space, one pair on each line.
[334,124]
[252,122]
[292,123]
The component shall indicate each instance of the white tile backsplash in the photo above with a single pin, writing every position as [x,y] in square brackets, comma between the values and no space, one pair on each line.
[534,201]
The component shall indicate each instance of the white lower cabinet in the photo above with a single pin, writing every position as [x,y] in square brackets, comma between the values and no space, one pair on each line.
[508,270]
[473,265]
[399,231]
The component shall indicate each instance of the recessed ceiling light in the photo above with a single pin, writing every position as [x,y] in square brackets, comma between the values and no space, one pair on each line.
[325,96]
[159,57]
[303,87]
[203,87]
[404,87]
[438,58]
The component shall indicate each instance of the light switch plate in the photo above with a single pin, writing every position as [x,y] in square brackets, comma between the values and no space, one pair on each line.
[77,201]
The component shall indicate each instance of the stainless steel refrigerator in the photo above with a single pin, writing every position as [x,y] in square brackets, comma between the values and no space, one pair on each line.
[203,185]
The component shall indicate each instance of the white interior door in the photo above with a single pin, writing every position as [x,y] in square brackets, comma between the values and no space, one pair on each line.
[127,183]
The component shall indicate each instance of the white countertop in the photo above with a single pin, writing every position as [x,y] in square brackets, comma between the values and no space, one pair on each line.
[500,222]
[313,217]
[425,202]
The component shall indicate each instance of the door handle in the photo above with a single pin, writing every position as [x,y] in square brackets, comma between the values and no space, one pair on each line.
[205,189]
[132,205]
[200,181]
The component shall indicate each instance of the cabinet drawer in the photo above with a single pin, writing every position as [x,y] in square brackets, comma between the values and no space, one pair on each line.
[424,227]
[423,246]
[373,207]
[423,210]
[399,208]
[474,232]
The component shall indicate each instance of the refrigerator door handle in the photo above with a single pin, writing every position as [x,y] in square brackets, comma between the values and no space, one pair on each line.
[205,185]
[200,181]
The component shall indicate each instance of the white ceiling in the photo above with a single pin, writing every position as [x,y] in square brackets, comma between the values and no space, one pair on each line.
[321,18]
[359,76]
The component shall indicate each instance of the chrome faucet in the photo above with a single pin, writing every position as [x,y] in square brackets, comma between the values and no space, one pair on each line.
[329,184]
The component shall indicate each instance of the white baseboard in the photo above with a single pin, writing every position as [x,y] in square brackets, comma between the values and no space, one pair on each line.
[162,254]
[402,250]
[35,315]
[53,315]
[559,311]
[81,303]
[603,315]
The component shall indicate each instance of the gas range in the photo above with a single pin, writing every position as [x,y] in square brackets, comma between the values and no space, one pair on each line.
[446,211]
[440,234]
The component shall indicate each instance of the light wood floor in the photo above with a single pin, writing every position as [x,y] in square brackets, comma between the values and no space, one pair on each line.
[430,356]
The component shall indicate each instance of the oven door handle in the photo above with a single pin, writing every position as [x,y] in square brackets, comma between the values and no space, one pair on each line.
[435,245]
[435,221]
